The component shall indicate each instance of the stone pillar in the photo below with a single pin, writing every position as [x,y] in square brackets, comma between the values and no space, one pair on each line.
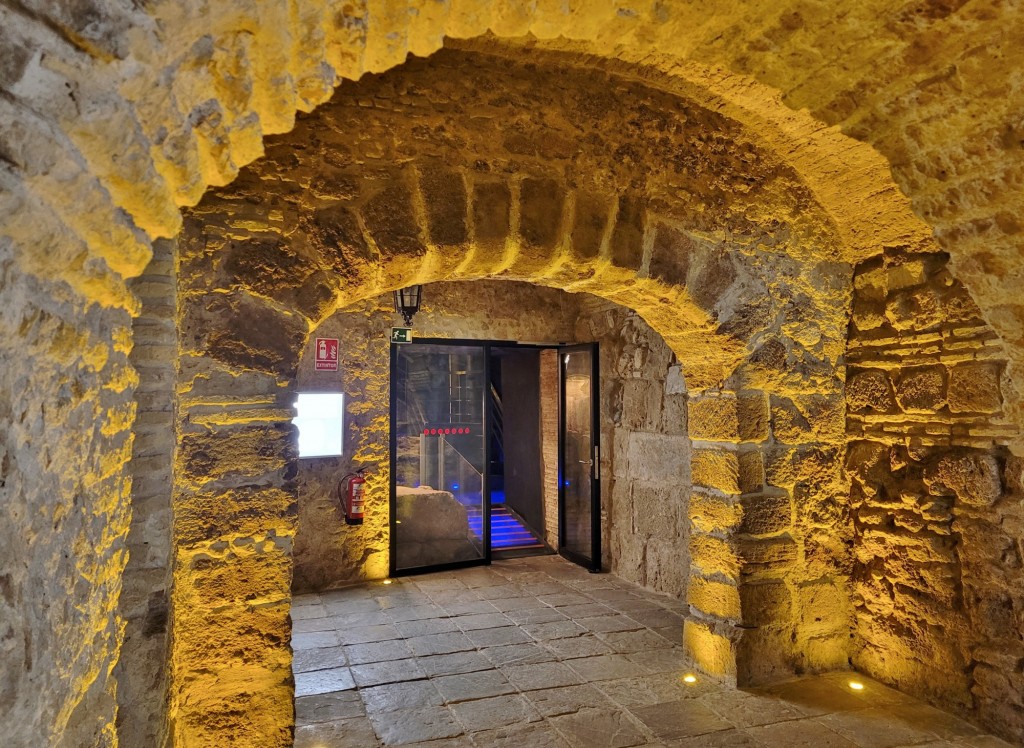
[234,513]
[719,423]
[141,669]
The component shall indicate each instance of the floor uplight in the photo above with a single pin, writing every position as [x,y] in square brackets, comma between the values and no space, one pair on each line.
[387,581]
[689,678]
[856,685]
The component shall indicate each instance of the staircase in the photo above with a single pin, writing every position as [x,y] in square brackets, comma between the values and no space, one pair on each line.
[507,531]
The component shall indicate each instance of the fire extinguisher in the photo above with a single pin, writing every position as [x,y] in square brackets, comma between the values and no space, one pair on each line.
[351,494]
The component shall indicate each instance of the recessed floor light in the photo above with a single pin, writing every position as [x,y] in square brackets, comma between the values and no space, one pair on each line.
[689,678]
[856,685]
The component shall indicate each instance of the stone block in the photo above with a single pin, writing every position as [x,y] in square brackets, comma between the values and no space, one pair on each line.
[710,513]
[827,653]
[868,314]
[590,222]
[656,456]
[824,609]
[921,389]
[766,604]
[713,555]
[245,511]
[627,241]
[714,598]
[243,332]
[905,274]
[767,556]
[753,416]
[540,220]
[766,515]
[389,218]
[974,478]
[444,195]
[711,274]
[711,650]
[975,388]
[335,232]
[869,390]
[664,569]
[641,404]
[243,451]
[751,471]
[492,206]
[655,509]
[766,655]
[713,418]
[716,469]
[670,256]
[259,573]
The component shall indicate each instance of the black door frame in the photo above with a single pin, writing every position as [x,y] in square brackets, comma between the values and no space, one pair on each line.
[594,562]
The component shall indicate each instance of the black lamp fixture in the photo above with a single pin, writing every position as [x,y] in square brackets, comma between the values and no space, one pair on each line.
[407,302]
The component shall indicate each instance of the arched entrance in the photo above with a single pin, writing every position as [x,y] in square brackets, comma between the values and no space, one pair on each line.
[736,268]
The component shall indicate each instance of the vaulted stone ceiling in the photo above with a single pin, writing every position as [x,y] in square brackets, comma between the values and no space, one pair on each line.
[115,115]
[132,111]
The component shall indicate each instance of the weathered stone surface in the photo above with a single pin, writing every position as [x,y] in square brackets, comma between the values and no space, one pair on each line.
[389,219]
[628,233]
[974,387]
[243,332]
[242,75]
[973,478]
[766,515]
[670,256]
[870,390]
[444,194]
[492,204]
[540,219]
[715,469]
[590,222]
[921,389]
[766,604]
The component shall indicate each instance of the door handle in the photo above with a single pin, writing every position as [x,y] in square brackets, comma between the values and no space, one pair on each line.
[586,462]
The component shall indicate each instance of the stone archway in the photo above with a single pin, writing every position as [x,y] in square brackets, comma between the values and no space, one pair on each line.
[747,286]
[119,115]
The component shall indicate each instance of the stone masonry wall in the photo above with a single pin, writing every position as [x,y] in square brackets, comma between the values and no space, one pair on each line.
[116,114]
[466,168]
[141,671]
[645,450]
[67,409]
[936,498]
[644,443]
[329,553]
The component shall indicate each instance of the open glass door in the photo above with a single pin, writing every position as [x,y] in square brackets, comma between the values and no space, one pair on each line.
[579,485]
[440,505]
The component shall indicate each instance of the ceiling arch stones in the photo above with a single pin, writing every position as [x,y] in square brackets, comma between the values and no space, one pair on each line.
[470,165]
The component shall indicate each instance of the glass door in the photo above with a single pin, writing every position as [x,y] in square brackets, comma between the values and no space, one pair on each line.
[440,502]
[579,459]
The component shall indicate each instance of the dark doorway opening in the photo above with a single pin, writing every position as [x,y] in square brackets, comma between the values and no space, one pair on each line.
[516,475]
[467,463]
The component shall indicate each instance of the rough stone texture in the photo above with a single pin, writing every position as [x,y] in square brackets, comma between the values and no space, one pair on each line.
[134,109]
[936,577]
[329,553]
[645,450]
[755,281]
[141,671]
[67,410]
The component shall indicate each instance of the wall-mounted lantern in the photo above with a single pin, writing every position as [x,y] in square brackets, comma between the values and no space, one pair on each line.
[407,302]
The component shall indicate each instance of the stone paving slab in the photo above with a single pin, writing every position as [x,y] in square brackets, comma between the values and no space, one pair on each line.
[538,653]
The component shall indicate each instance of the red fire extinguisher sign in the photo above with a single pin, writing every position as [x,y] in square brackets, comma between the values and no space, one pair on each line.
[326,354]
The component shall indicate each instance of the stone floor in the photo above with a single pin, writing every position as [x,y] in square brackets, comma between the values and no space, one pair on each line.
[537,653]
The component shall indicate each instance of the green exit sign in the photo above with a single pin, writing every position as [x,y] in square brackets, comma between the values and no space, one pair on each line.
[401,334]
